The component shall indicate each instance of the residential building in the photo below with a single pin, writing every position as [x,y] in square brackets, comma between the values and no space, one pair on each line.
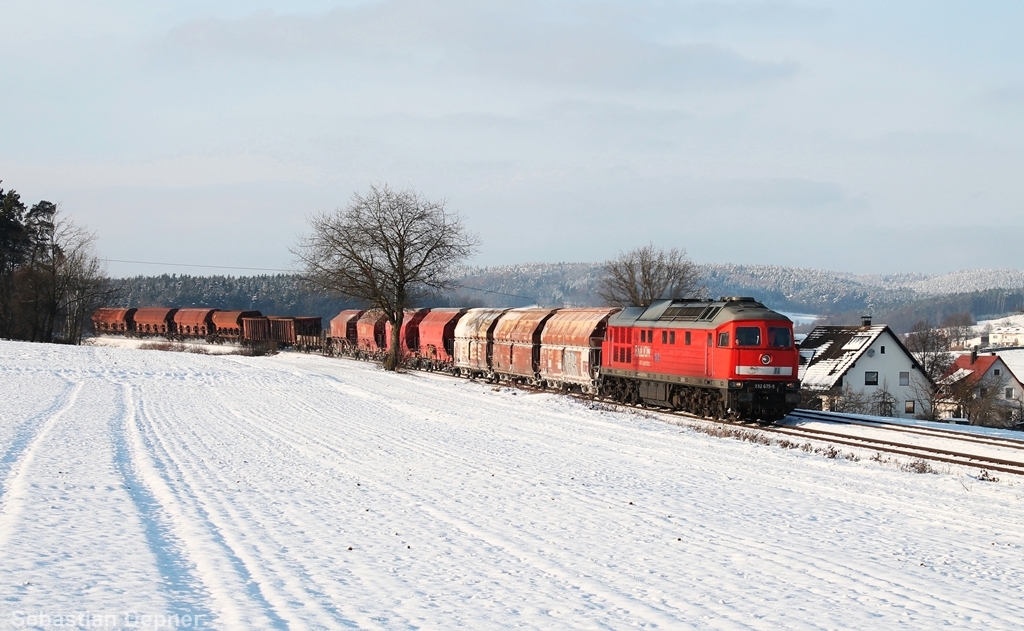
[862,369]
[982,389]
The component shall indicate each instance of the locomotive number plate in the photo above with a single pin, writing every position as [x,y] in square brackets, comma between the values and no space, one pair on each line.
[763,386]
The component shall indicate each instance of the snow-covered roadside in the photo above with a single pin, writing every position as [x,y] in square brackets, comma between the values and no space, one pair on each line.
[113,341]
[301,492]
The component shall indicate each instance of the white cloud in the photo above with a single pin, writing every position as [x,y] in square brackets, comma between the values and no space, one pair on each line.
[512,40]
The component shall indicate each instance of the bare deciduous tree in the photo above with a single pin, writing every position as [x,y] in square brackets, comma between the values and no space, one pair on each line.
[931,347]
[959,328]
[84,285]
[385,249]
[980,400]
[642,275]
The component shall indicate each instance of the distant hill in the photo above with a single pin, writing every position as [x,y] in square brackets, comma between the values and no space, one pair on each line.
[897,299]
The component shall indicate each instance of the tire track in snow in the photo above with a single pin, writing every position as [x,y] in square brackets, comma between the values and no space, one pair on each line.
[185,592]
[19,458]
[515,553]
[327,594]
[28,430]
[204,547]
[268,581]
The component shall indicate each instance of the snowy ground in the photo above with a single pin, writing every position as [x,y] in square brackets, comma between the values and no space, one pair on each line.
[301,492]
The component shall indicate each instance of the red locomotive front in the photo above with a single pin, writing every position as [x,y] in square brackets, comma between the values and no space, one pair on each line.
[730,358]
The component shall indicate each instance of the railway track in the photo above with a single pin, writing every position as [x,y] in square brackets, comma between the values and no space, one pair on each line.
[847,419]
[1007,455]
[1011,462]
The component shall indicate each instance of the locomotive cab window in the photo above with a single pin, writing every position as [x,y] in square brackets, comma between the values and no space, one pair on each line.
[779,337]
[747,336]
[723,338]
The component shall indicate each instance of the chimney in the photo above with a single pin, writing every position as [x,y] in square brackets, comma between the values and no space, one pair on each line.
[865,320]
[974,355]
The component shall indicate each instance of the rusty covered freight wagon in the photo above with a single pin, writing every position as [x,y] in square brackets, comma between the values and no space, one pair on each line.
[228,324]
[154,321]
[343,331]
[110,320]
[474,338]
[516,353]
[370,332]
[437,335]
[194,322]
[570,347]
[409,335]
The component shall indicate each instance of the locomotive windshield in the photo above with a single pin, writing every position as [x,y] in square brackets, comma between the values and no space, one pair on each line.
[779,337]
[748,336]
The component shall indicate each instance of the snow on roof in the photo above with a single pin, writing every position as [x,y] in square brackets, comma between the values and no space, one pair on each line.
[979,368]
[956,376]
[829,352]
[975,370]
[1014,360]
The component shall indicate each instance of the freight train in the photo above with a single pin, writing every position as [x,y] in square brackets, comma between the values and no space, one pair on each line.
[211,325]
[728,358]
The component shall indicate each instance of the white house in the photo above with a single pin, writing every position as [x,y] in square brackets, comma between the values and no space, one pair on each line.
[863,369]
[984,377]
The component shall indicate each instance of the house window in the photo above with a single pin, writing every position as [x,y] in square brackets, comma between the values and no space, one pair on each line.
[997,372]
[905,378]
[871,378]
[723,338]
[908,407]
[881,351]
[687,338]
[1009,393]
[664,337]
[672,337]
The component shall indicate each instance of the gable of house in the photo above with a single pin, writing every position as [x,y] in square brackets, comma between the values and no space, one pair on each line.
[828,353]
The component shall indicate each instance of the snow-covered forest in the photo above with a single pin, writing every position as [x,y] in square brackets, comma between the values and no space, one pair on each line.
[900,298]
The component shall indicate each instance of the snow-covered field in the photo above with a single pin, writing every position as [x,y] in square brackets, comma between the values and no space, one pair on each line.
[157,489]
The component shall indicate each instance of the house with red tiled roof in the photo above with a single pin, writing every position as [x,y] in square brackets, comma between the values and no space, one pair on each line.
[981,388]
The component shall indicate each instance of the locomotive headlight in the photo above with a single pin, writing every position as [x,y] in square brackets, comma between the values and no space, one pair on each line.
[735,385]
[793,385]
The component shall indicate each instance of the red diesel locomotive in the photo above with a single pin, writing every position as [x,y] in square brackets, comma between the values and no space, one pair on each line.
[730,358]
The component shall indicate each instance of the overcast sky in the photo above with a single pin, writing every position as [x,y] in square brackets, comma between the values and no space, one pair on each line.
[859,136]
